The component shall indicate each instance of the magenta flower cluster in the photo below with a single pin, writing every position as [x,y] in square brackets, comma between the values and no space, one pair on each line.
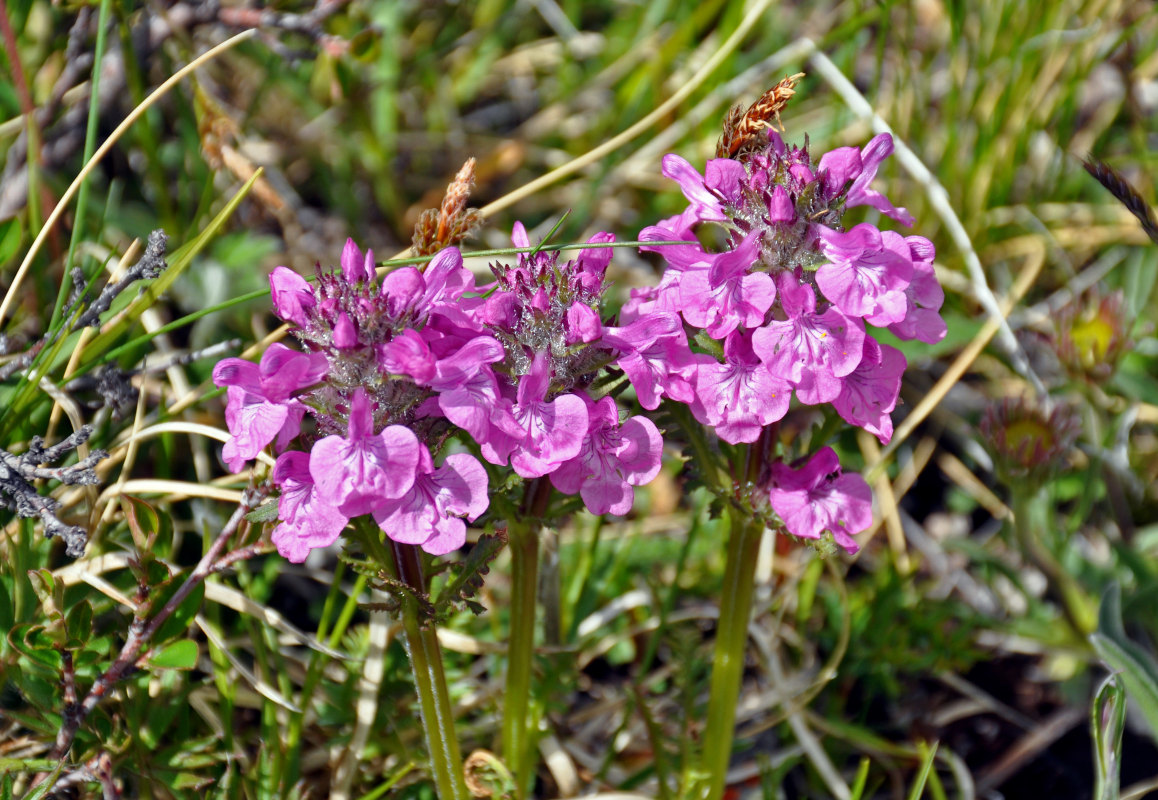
[423,367]
[392,372]
[788,299]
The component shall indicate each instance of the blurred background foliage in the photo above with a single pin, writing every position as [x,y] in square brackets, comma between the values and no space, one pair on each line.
[951,658]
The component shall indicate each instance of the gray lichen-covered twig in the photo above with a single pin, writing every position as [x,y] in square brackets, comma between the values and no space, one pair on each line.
[149,265]
[17,473]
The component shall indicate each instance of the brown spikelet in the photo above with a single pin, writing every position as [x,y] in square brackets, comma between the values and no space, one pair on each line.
[452,221]
[741,130]
[1127,195]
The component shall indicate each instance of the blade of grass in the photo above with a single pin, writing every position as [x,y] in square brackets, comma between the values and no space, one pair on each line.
[928,754]
[90,135]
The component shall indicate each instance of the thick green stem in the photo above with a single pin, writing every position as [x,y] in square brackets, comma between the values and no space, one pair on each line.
[524,544]
[523,539]
[731,644]
[429,678]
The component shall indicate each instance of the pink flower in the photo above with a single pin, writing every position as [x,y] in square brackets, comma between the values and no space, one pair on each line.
[828,346]
[293,297]
[612,460]
[862,193]
[431,513]
[816,498]
[260,407]
[740,396]
[553,431]
[306,520]
[724,296]
[867,273]
[655,356]
[923,297]
[869,394]
[355,268]
[359,472]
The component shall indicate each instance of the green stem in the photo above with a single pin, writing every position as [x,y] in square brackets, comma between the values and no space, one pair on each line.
[523,539]
[731,644]
[405,563]
[1074,602]
[429,678]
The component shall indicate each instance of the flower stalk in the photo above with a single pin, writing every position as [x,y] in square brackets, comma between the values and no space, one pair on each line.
[430,680]
[523,539]
[731,644]
[422,648]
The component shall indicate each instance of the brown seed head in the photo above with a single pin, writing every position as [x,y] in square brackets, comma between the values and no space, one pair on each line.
[742,130]
[452,221]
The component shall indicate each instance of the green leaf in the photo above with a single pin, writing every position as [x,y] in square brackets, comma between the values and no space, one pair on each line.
[1107,723]
[178,622]
[11,234]
[35,642]
[45,786]
[44,584]
[177,655]
[78,623]
[7,611]
[365,45]
[266,512]
[928,754]
[1137,667]
[144,522]
[26,764]
[862,773]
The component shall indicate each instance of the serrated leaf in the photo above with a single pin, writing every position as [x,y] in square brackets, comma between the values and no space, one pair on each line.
[399,589]
[469,575]
[181,654]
